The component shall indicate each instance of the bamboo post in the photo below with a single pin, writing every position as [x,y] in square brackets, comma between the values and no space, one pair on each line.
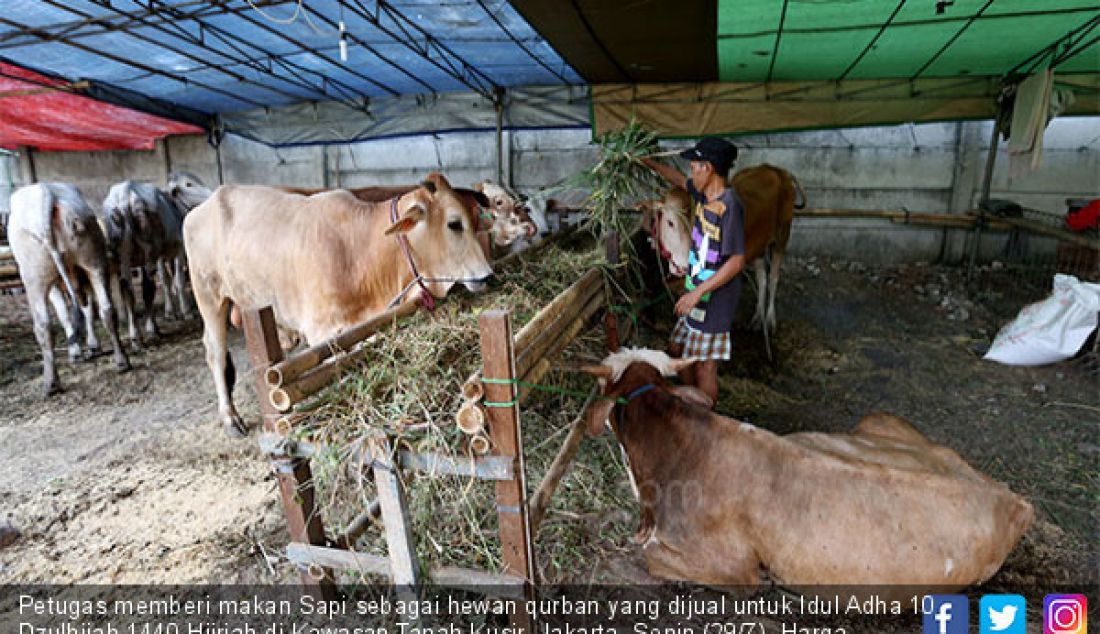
[395,515]
[499,363]
[987,181]
[294,476]
[285,371]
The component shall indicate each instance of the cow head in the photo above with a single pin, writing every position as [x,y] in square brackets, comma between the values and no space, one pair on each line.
[622,375]
[186,190]
[510,220]
[442,235]
[667,223]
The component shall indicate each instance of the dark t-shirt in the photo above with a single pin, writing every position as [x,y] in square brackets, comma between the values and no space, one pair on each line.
[718,232]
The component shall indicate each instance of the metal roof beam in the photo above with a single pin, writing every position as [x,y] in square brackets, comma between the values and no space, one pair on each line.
[354,39]
[131,63]
[518,43]
[871,44]
[203,63]
[99,25]
[951,41]
[298,71]
[415,38]
[316,52]
[1079,32]
[778,35]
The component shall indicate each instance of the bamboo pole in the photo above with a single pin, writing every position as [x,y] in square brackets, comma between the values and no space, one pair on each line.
[535,364]
[470,418]
[473,389]
[569,448]
[569,298]
[479,444]
[294,366]
[359,525]
[537,341]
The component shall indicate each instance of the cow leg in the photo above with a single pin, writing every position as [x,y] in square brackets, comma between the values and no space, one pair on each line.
[98,278]
[148,296]
[61,309]
[167,282]
[214,338]
[40,314]
[760,269]
[181,288]
[92,342]
[124,298]
[773,284]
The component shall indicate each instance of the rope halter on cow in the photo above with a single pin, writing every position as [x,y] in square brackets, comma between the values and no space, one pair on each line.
[426,298]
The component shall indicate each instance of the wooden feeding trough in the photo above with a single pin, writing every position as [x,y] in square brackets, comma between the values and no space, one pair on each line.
[511,363]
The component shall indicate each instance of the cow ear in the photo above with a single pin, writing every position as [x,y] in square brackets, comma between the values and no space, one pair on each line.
[596,415]
[408,220]
[428,185]
[438,180]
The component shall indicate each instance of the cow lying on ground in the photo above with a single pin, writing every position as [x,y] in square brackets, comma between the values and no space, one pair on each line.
[324,262]
[58,244]
[768,194]
[720,498]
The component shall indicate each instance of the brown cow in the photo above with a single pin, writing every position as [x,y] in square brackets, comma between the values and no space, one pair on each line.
[768,194]
[323,262]
[721,498]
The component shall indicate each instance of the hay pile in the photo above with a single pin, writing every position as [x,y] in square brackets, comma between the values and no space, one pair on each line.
[411,385]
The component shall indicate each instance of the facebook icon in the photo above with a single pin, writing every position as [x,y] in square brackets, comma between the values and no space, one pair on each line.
[949,614]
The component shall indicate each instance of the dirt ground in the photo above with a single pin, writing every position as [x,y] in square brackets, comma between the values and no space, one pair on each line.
[128,478]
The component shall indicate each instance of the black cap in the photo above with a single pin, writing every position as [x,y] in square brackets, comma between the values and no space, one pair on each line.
[718,152]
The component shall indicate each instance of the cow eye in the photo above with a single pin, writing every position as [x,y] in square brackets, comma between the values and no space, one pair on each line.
[455,225]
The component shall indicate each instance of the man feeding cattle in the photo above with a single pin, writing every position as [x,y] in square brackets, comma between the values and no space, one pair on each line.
[717,257]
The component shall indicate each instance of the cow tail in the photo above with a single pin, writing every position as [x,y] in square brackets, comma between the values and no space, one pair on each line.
[76,315]
[800,201]
[230,371]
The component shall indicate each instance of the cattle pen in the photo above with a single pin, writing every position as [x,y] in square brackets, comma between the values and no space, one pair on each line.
[511,367]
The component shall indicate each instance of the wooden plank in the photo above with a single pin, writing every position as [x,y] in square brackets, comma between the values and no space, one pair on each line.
[484,467]
[496,584]
[499,362]
[293,475]
[391,496]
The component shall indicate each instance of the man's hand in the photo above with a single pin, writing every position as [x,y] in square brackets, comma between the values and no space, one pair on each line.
[685,304]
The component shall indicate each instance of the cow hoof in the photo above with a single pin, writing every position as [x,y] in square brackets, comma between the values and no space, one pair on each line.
[49,389]
[123,365]
[91,353]
[235,427]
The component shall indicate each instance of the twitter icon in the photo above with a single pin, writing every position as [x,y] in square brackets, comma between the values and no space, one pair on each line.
[1002,614]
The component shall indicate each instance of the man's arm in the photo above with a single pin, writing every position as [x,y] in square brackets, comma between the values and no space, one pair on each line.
[729,270]
[667,172]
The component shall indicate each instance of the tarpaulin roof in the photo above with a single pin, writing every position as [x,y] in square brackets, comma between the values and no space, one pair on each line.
[38,111]
[275,70]
[230,56]
[759,65]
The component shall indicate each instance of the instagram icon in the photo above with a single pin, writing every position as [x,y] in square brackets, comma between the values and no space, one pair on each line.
[1065,614]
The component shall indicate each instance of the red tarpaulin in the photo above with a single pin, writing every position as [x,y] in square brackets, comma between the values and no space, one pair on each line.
[33,114]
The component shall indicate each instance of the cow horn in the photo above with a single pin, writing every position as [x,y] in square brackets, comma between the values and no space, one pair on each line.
[601,371]
[680,364]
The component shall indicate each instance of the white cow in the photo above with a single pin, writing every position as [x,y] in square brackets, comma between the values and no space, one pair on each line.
[58,244]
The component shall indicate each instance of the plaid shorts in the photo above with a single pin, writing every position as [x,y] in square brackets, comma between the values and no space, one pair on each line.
[700,345]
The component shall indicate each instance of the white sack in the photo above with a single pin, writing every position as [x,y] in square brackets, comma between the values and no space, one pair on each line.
[1051,330]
